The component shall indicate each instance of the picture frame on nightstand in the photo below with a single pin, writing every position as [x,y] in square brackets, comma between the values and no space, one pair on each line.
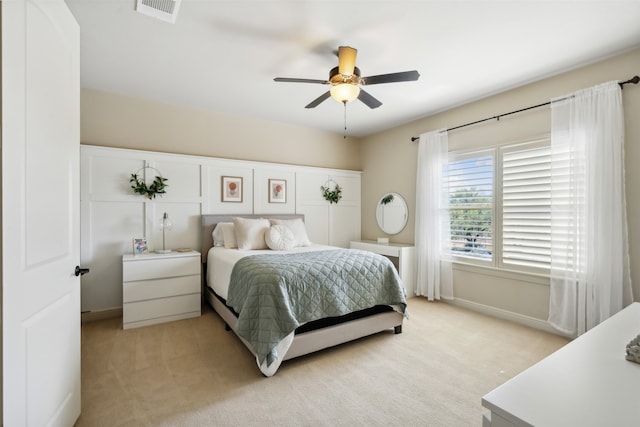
[140,247]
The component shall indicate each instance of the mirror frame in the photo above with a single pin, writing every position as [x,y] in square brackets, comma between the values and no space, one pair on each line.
[380,207]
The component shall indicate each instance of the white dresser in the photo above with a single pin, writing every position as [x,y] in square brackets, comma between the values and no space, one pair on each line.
[588,382]
[402,256]
[160,288]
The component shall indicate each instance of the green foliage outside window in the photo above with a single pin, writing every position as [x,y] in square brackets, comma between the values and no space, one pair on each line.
[471,216]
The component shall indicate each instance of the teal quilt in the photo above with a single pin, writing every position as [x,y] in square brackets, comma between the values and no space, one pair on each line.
[276,293]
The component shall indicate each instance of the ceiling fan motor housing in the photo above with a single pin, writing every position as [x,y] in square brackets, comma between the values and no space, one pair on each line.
[335,78]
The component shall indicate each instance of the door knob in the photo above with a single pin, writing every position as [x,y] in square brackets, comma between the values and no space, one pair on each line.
[80,271]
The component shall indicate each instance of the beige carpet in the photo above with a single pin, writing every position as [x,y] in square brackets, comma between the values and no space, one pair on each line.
[194,373]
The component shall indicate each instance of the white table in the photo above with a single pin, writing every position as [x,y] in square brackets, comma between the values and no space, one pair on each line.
[402,256]
[588,382]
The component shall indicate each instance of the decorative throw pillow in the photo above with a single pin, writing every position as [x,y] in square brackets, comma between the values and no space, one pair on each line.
[218,235]
[229,233]
[250,232]
[280,238]
[297,228]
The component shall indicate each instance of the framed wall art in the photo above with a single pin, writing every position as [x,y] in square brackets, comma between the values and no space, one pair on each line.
[232,189]
[277,191]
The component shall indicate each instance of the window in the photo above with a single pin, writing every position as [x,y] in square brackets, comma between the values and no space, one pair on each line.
[499,206]
[470,180]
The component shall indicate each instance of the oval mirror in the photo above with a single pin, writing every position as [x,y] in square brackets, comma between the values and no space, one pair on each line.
[392,213]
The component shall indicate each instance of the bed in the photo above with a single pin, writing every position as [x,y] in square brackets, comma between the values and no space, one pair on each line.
[245,268]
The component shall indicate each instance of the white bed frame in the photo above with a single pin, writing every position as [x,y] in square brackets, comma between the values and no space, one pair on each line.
[307,342]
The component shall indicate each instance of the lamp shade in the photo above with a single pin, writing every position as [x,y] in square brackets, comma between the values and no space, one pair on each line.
[345,92]
[166,223]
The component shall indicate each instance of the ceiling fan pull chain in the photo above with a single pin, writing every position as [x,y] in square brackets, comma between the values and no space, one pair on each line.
[345,119]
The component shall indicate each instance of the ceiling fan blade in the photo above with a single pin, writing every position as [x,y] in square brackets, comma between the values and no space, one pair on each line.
[289,80]
[404,76]
[318,100]
[346,60]
[368,100]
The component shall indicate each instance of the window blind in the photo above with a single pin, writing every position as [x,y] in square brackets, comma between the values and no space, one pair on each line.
[526,207]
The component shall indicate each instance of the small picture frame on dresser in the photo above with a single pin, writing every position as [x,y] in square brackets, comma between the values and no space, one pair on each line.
[140,247]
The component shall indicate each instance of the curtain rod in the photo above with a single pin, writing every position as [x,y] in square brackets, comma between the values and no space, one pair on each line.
[635,80]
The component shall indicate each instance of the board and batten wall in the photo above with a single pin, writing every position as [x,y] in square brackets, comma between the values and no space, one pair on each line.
[112,214]
[389,161]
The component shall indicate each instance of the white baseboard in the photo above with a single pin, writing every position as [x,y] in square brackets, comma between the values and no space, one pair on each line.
[521,319]
[92,316]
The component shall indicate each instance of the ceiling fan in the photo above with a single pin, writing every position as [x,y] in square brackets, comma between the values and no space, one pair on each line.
[345,81]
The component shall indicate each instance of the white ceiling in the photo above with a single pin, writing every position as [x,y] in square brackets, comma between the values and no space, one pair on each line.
[223,55]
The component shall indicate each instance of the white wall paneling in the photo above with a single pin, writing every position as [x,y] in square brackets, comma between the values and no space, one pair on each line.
[345,217]
[185,221]
[309,202]
[107,228]
[334,224]
[112,215]
[184,179]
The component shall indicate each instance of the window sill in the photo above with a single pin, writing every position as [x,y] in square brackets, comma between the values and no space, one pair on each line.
[523,276]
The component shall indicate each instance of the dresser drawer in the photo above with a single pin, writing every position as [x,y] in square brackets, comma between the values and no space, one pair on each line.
[159,308]
[148,269]
[160,288]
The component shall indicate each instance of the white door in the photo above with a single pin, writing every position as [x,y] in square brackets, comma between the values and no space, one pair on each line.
[40,210]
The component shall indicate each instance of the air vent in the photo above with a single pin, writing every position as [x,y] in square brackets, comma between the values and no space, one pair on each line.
[165,10]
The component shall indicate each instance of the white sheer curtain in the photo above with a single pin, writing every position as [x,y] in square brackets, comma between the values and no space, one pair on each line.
[434,277]
[590,277]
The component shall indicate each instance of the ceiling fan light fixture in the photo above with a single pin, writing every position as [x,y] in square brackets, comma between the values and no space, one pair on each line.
[345,92]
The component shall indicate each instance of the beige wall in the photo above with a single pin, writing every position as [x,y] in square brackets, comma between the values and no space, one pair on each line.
[112,120]
[389,164]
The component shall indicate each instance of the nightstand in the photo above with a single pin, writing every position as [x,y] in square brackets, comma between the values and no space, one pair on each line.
[159,288]
[402,256]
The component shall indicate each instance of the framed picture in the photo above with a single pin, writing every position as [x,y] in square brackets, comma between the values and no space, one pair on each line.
[140,247]
[232,189]
[277,191]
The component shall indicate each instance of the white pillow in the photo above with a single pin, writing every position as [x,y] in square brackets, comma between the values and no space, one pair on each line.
[229,233]
[280,238]
[297,228]
[218,235]
[250,232]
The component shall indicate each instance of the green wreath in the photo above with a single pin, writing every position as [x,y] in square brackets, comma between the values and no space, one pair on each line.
[332,196]
[157,186]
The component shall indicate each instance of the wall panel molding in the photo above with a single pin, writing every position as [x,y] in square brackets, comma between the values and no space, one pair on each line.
[112,215]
